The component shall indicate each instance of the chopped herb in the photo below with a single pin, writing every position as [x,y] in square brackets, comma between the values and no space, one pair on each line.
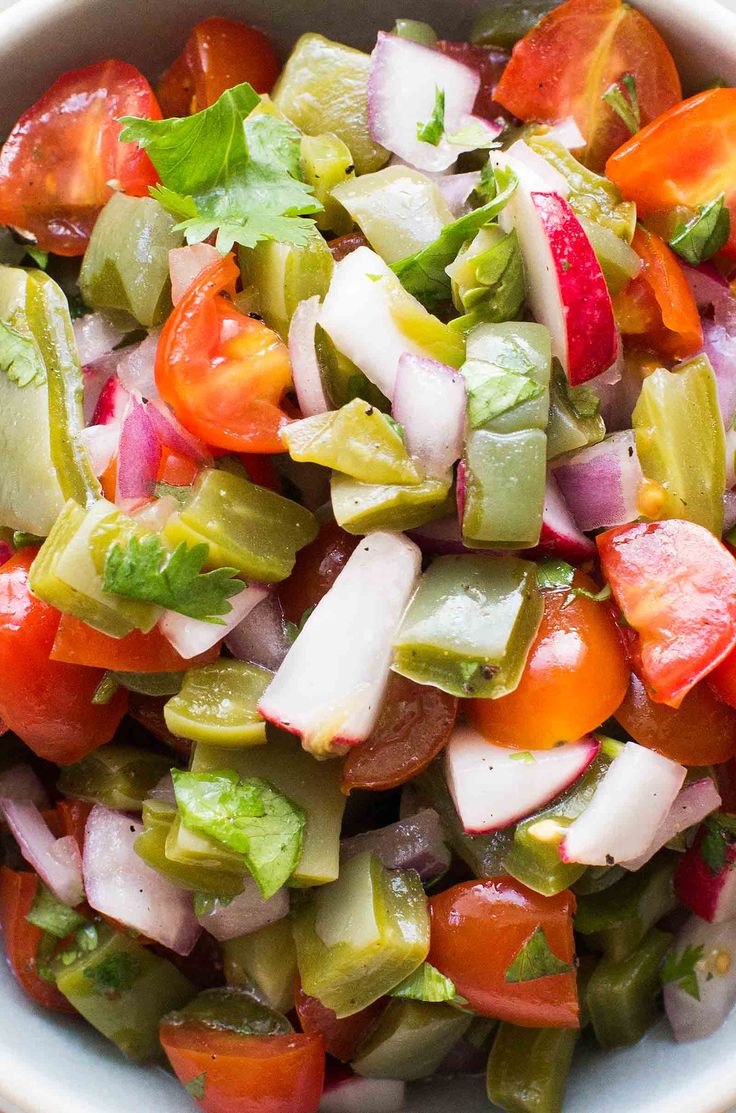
[714,844]
[204,903]
[499,291]
[535,959]
[704,235]
[583,400]
[195,1087]
[40,258]
[494,389]
[20,359]
[433,130]
[53,917]
[524,756]
[679,969]
[168,490]
[474,134]
[22,540]
[105,690]
[584,593]
[624,100]
[553,575]
[294,629]
[114,974]
[145,570]
[427,984]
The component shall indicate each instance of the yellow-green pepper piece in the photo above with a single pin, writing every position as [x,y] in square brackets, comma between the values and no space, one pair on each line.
[505,476]
[326,162]
[416,30]
[359,937]
[285,274]
[158,818]
[117,775]
[324,87]
[230,1009]
[622,995]
[218,703]
[617,919]
[265,960]
[507,372]
[365,507]
[571,427]
[470,625]
[681,444]
[618,261]
[528,1068]
[507,22]
[410,1040]
[246,527]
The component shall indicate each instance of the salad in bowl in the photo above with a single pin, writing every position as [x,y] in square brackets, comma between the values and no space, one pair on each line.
[368,556]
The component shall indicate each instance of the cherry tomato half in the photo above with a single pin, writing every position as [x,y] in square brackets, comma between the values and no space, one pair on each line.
[723,679]
[78,644]
[676,585]
[58,160]
[701,731]
[565,64]
[17,894]
[489,62]
[575,677]
[248,1074]
[342,1037]
[47,703]
[223,373]
[478,929]
[317,567]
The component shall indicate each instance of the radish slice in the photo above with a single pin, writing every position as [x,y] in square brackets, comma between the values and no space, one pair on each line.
[304,363]
[402,86]
[694,1018]
[56,861]
[95,335]
[121,885]
[330,687]
[560,534]
[192,636]
[430,401]
[628,808]
[600,483]
[696,801]
[21,783]
[534,172]
[363,279]
[172,434]
[414,843]
[186,264]
[710,896]
[139,456]
[456,190]
[261,637]
[493,786]
[363,1095]
[245,913]
[136,368]
[112,403]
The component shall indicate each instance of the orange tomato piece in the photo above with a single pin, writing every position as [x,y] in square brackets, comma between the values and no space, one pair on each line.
[701,731]
[176,469]
[723,679]
[78,644]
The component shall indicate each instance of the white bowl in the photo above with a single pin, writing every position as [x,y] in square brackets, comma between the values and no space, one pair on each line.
[50,1064]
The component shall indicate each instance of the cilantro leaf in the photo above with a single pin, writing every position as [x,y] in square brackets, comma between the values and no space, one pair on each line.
[294,629]
[715,843]
[427,984]
[40,258]
[535,959]
[19,357]
[434,128]
[526,757]
[500,286]
[195,1087]
[53,917]
[248,816]
[145,570]
[624,100]
[704,235]
[552,575]
[493,390]
[680,969]
[473,134]
[226,172]
[585,593]
[115,973]
[423,274]
[583,400]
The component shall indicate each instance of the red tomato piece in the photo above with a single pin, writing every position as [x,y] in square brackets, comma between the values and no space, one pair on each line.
[676,585]
[701,731]
[46,703]
[223,373]
[317,567]
[563,66]
[72,818]
[57,161]
[656,167]
[176,469]
[723,680]
[575,677]
[478,929]
[78,644]
[248,1074]
[342,1037]
[489,62]
[17,893]
[218,54]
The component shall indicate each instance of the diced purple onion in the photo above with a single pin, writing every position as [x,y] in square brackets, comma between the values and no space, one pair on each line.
[121,885]
[21,783]
[139,457]
[720,347]
[303,355]
[95,377]
[456,190]
[415,843]
[136,368]
[694,1018]
[95,335]
[172,433]
[57,861]
[600,483]
[560,535]
[430,403]
[245,913]
[261,638]
[186,264]
[695,801]
[711,291]
[439,538]
[192,636]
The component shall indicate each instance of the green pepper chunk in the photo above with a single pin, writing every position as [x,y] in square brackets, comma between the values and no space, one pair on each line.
[285,274]
[313,785]
[360,936]
[505,476]
[342,379]
[149,683]
[507,22]
[125,269]
[681,442]
[246,527]
[357,440]
[528,1068]
[121,988]
[326,162]
[218,703]
[622,996]
[416,30]
[365,507]
[470,625]
[398,210]
[158,819]
[410,1040]
[264,960]
[507,372]
[618,261]
[229,1009]
[324,87]
[189,848]
[117,775]
[617,919]
[570,428]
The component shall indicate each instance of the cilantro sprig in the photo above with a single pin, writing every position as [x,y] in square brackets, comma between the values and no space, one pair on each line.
[426,983]
[718,831]
[624,100]
[432,130]
[703,236]
[680,969]
[20,359]
[535,959]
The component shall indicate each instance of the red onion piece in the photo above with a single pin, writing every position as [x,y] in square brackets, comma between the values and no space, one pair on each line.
[729,511]
[261,638]
[304,363]
[95,335]
[186,264]
[101,444]
[191,636]
[720,347]
[456,190]
[696,801]
[600,483]
[710,896]
[172,433]
[139,456]
[567,133]
[245,913]
[430,402]
[691,1018]
[56,861]
[415,843]
[439,538]
[21,783]
[136,368]
[121,885]
[711,291]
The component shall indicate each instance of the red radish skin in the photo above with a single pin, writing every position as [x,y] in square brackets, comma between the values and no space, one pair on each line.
[112,403]
[712,897]
[560,536]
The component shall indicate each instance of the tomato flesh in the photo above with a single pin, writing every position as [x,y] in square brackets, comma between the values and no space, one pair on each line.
[57,161]
[478,929]
[701,731]
[78,644]
[21,939]
[342,1036]
[317,567]
[575,677]
[489,62]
